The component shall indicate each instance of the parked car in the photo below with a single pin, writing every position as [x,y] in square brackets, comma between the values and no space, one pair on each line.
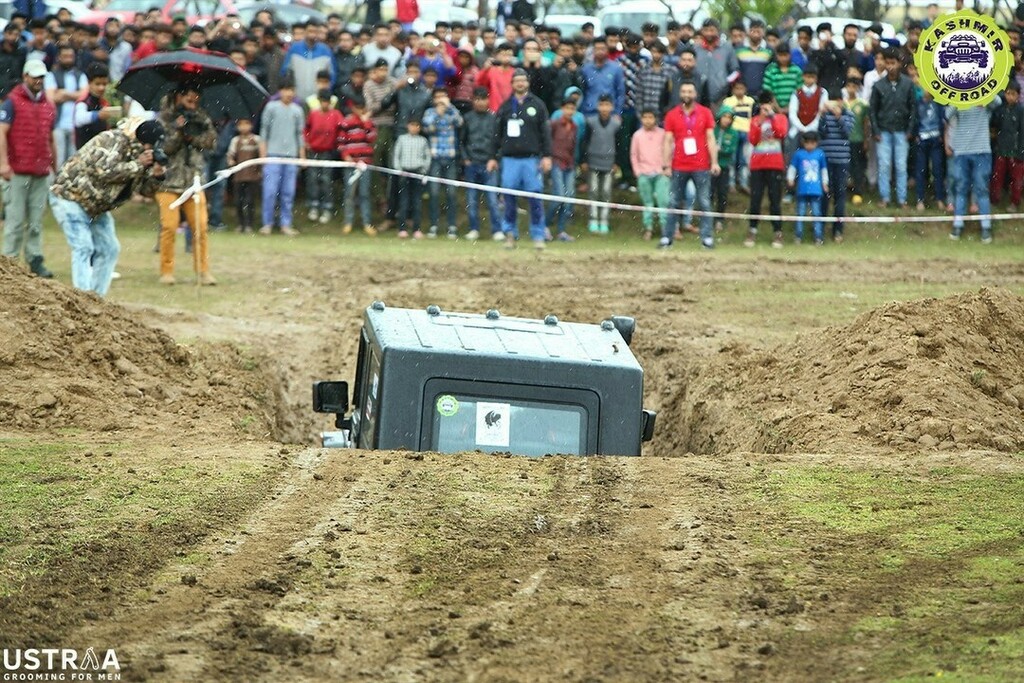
[888,30]
[633,14]
[287,14]
[570,24]
[197,11]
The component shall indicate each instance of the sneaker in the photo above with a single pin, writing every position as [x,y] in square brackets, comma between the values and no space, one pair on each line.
[266,230]
[648,234]
[207,280]
[325,217]
[370,230]
[777,242]
[719,226]
[115,275]
[432,233]
[473,235]
[168,280]
[594,227]
[289,231]
[920,206]
[418,234]
[565,237]
[510,242]
[540,245]
[218,227]
[403,234]
[838,239]
[547,235]
[313,214]
[787,199]
[604,228]
[346,229]
[708,243]
[453,233]
[498,236]
[955,236]
[664,243]
[749,242]
[819,243]
[986,239]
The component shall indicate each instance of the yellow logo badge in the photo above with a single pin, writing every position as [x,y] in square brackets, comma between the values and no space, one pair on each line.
[964,59]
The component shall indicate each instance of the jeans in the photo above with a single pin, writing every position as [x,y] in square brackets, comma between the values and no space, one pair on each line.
[600,191]
[447,169]
[523,173]
[320,183]
[65,144]
[702,184]
[362,183]
[930,153]
[654,192]
[893,148]
[279,184]
[478,173]
[761,180]
[836,195]
[245,202]
[1015,169]
[563,184]
[742,166]
[410,201]
[24,201]
[216,193]
[94,245]
[973,171]
[812,203]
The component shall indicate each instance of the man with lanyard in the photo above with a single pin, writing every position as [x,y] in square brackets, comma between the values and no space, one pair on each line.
[691,154]
[521,132]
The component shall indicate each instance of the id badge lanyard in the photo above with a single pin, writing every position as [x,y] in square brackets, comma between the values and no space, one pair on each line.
[514,126]
[689,142]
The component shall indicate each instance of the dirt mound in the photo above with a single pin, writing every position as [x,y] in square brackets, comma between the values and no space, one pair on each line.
[70,359]
[935,373]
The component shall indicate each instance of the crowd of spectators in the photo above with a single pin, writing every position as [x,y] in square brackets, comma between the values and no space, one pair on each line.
[686,120]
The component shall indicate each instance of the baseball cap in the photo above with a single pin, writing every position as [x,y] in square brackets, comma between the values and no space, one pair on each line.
[34,68]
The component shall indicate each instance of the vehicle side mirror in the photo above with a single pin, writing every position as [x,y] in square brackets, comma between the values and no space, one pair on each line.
[626,327]
[647,425]
[330,397]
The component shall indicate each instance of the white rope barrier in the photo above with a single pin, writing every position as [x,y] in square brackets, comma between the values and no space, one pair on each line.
[579,201]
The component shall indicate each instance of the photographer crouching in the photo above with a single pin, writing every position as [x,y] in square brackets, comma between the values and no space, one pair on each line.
[100,177]
[190,132]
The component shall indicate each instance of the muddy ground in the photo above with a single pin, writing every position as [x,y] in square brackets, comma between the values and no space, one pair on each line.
[686,564]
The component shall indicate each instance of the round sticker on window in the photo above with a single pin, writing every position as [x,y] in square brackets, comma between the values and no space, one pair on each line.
[447,405]
[531,111]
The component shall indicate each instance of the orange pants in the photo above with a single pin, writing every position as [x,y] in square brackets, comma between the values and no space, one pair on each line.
[169,221]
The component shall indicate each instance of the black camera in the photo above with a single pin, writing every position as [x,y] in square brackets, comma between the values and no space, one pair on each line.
[160,156]
[193,125]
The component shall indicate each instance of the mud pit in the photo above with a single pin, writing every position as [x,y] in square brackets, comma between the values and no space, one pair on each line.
[395,566]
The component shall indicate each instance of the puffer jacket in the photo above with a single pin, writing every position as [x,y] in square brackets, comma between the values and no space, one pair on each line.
[185,156]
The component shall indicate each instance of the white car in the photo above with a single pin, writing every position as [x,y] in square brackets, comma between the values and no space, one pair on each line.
[633,14]
[888,30]
[570,24]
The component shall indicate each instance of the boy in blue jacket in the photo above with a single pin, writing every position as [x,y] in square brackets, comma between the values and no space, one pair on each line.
[808,175]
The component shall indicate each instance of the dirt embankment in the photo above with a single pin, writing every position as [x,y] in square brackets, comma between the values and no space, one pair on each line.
[935,373]
[70,359]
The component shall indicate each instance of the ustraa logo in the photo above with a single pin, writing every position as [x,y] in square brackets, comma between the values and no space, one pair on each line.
[964,59]
[59,664]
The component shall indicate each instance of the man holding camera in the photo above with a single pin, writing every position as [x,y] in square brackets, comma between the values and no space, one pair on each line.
[189,133]
[104,174]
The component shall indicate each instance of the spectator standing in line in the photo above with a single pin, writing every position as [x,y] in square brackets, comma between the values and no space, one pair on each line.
[687,71]
[64,86]
[92,113]
[189,135]
[971,151]
[602,76]
[307,58]
[272,57]
[647,154]
[829,60]
[380,105]
[782,77]
[633,61]
[742,106]
[834,130]
[808,176]
[768,130]
[118,49]
[461,87]
[690,143]
[859,137]
[753,56]
[565,139]
[893,114]
[475,140]
[246,146]
[441,123]
[412,154]
[382,49]
[802,51]
[346,59]
[321,140]
[727,140]
[716,60]
[356,136]
[599,152]
[523,145]
[653,79]
[496,76]
[27,158]
[1008,126]
[930,154]
[282,126]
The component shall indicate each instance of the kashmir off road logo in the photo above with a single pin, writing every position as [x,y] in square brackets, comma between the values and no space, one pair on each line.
[964,59]
[59,664]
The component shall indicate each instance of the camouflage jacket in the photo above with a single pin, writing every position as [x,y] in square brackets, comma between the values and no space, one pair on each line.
[185,159]
[104,173]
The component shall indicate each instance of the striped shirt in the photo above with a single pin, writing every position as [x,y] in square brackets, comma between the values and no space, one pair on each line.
[835,136]
[356,138]
[753,61]
[970,134]
[375,93]
[782,83]
[653,86]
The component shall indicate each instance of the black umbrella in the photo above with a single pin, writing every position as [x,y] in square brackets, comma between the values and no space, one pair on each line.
[224,88]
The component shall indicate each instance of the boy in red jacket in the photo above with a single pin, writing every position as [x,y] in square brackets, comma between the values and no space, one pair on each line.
[321,136]
[356,136]
[768,131]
